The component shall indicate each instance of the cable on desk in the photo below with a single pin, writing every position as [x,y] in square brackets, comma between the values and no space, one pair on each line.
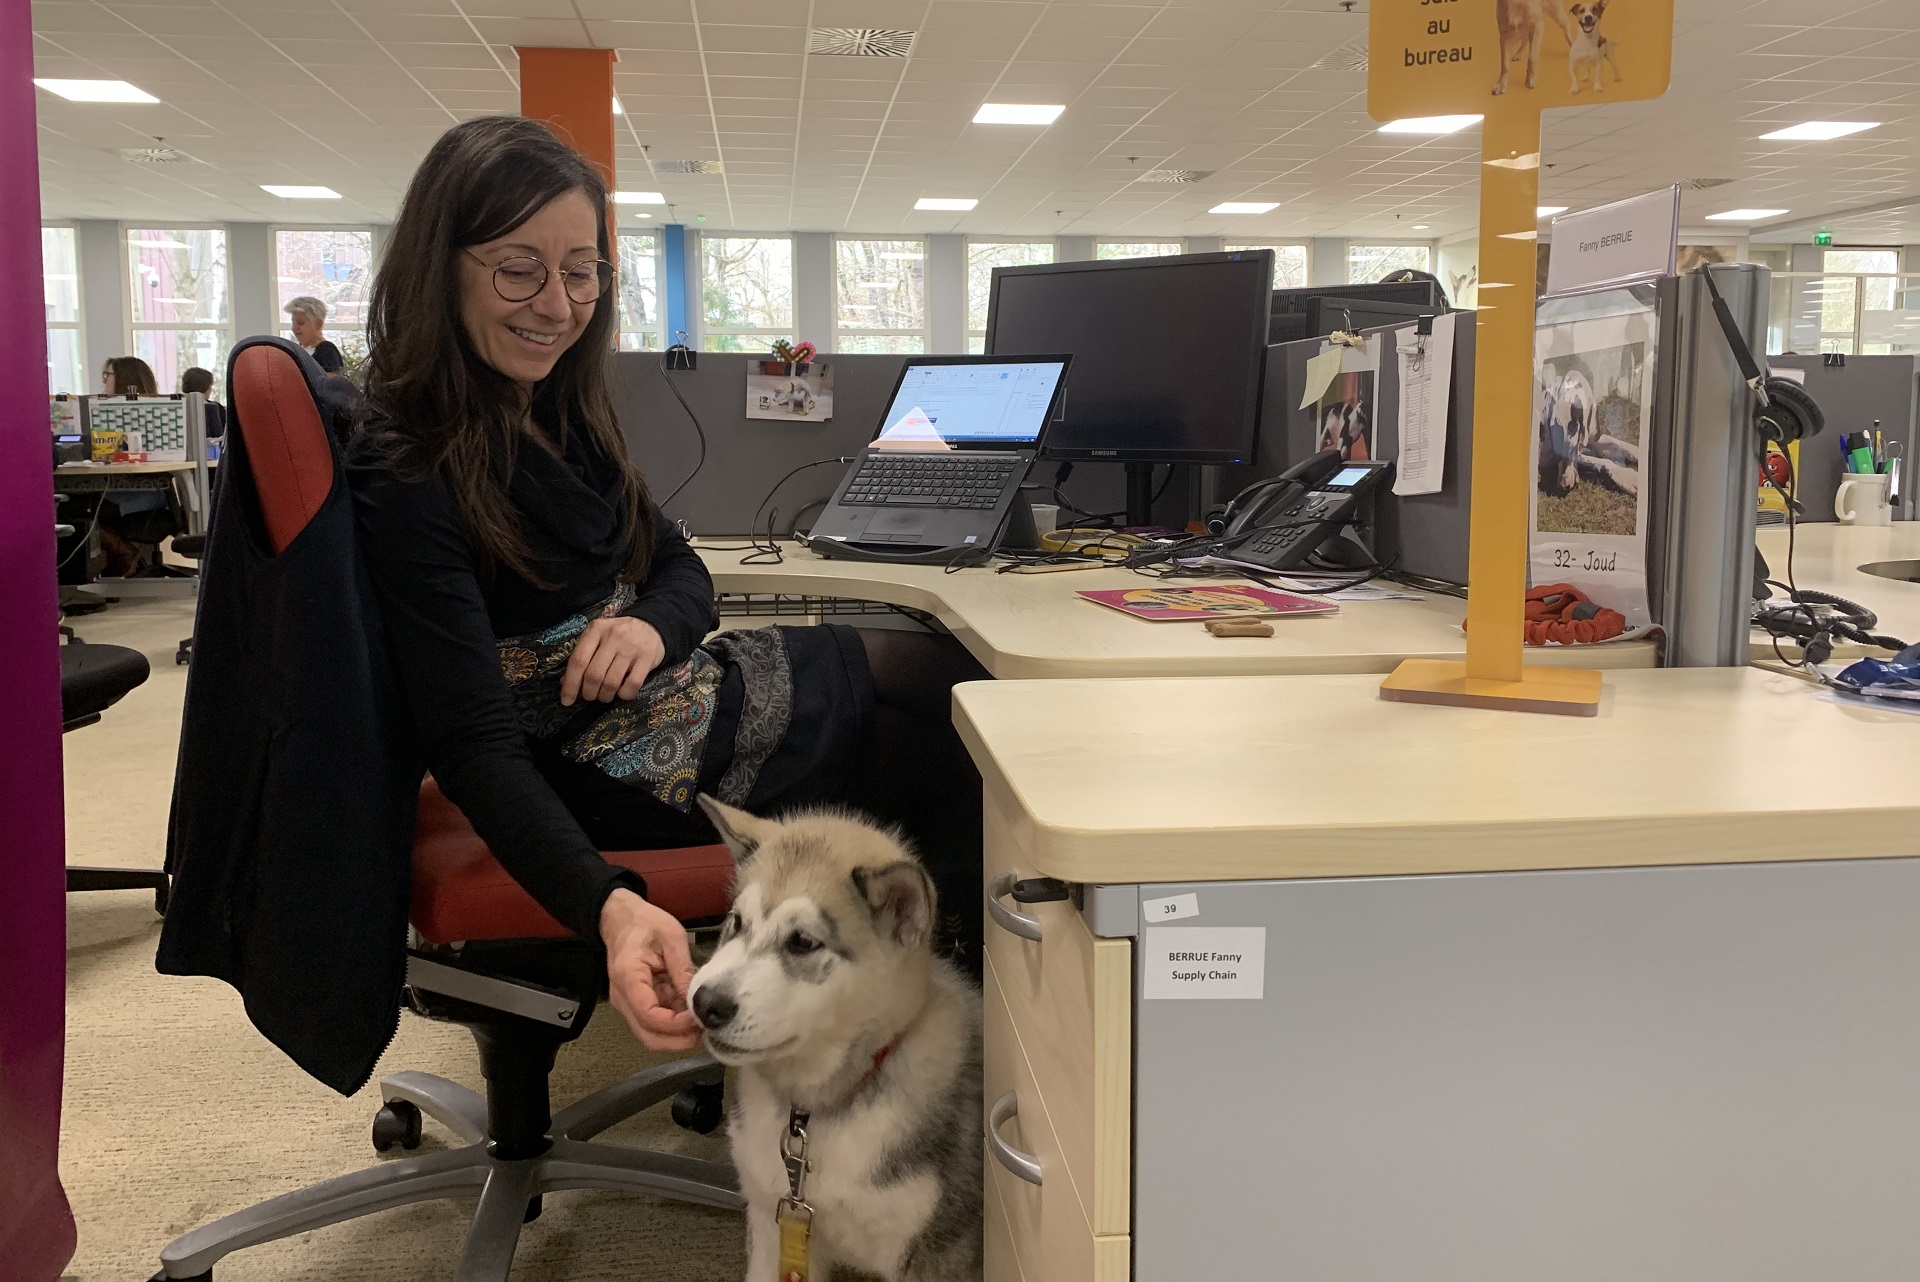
[769,553]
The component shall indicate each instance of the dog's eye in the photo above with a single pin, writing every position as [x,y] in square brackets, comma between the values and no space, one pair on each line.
[800,945]
[730,927]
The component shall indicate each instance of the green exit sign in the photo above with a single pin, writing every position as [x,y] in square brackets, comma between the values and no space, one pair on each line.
[1823,238]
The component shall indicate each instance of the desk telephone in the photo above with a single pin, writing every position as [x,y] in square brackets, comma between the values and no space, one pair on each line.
[1279,523]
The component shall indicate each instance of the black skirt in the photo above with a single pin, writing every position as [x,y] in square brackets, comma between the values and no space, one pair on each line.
[825,726]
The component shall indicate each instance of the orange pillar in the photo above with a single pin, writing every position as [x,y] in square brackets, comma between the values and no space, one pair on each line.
[572,90]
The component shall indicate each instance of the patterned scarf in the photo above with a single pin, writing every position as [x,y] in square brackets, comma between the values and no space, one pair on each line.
[653,740]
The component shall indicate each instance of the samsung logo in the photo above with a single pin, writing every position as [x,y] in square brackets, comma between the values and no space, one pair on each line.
[1104,453]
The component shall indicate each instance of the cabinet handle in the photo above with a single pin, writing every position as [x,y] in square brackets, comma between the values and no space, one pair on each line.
[1025,1165]
[1007,919]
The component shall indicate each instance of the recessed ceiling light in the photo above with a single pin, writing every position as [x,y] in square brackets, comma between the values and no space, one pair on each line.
[1548,211]
[1016,113]
[1821,130]
[944,202]
[300,193]
[1429,125]
[1745,215]
[96,91]
[638,198]
[1420,227]
[618,110]
[1245,207]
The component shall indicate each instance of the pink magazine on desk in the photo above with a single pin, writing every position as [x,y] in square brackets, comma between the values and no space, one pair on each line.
[1172,605]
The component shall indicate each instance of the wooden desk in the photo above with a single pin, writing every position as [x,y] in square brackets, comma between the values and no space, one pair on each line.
[1827,558]
[1033,626]
[1539,996]
[125,469]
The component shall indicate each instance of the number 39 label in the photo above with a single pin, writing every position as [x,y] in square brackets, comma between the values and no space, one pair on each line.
[1172,908]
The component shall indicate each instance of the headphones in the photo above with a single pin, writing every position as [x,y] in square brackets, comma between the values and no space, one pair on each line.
[1784,412]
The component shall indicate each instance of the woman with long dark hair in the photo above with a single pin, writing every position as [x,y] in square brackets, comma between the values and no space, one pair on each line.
[548,621]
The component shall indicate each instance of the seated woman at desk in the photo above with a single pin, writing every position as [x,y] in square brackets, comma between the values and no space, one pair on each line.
[129,376]
[547,620]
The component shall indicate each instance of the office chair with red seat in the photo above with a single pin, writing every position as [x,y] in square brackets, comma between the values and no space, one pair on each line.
[483,954]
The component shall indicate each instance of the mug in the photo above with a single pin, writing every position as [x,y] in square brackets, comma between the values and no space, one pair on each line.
[1862,499]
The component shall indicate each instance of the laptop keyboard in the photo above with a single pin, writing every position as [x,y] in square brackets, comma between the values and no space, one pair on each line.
[929,480]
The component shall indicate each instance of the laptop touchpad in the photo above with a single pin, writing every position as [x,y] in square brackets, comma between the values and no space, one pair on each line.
[896,524]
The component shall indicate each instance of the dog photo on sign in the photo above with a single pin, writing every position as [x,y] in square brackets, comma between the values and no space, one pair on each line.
[1524,27]
[1591,406]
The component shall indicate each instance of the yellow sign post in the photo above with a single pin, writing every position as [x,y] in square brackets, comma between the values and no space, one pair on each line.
[1507,61]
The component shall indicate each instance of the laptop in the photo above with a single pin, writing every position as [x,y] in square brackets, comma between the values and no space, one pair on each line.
[945,467]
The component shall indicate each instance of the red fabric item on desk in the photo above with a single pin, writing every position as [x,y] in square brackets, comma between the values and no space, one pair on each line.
[1551,610]
[461,892]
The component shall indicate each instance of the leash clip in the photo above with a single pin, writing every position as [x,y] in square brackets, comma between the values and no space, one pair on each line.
[793,1155]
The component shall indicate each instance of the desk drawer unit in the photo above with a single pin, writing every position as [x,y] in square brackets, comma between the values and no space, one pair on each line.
[1059,1039]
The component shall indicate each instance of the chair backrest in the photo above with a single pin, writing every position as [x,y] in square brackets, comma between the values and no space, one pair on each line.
[286,443]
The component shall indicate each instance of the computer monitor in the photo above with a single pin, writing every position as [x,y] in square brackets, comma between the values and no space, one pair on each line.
[1295,301]
[1168,353]
[970,402]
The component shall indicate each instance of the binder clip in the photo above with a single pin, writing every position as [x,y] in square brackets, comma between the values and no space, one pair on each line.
[1348,337]
[1834,360]
[680,356]
[1422,332]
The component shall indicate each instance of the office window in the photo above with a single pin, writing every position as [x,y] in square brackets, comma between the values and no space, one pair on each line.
[641,324]
[880,295]
[334,265]
[1368,263]
[746,291]
[60,277]
[181,311]
[982,257]
[1136,248]
[1289,262]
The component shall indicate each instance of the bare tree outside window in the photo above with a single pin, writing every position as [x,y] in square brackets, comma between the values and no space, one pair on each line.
[982,258]
[641,324]
[1289,261]
[880,292]
[1107,249]
[181,308]
[1369,263]
[746,291]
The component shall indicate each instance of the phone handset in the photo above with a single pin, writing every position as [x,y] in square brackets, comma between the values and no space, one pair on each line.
[1255,505]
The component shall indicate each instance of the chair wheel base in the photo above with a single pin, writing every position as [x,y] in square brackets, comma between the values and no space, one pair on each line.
[397,1123]
[198,1277]
[700,1109]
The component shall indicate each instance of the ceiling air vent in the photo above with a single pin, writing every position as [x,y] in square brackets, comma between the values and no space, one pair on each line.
[860,42]
[1174,175]
[1351,57]
[1704,184]
[688,167]
[153,155]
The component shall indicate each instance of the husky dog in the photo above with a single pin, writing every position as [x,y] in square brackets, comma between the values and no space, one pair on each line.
[1522,27]
[826,998]
[1590,48]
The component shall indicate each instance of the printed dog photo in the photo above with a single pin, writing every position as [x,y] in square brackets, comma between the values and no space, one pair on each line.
[1346,417]
[1523,26]
[1590,411]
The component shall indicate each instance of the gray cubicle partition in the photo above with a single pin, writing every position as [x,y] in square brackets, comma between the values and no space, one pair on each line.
[1427,532]
[1657,1074]
[747,458]
[1853,396]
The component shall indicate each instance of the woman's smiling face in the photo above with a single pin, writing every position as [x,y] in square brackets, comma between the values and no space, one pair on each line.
[523,340]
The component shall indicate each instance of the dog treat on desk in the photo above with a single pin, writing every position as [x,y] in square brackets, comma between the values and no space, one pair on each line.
[1240,627]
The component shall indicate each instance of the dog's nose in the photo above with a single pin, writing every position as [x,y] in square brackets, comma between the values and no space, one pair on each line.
[713,1008]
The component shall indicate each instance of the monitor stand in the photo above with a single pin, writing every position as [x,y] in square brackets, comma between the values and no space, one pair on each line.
[1139,493]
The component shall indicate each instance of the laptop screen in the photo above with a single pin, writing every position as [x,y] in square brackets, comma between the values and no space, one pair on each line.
[970,405]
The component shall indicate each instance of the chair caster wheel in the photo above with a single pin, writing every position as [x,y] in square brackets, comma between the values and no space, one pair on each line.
[534,1206]
[182,657]
[700,1109]
[397,1122]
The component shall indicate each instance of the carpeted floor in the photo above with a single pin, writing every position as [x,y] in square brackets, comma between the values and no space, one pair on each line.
[177,1112]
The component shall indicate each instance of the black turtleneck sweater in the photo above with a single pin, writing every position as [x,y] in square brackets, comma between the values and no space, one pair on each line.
[444,614]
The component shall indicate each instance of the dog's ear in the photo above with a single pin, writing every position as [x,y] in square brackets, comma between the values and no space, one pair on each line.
[901,897]
[740,832]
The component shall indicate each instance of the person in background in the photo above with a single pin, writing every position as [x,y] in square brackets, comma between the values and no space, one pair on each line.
[309,317]
[201,380]
[127,376]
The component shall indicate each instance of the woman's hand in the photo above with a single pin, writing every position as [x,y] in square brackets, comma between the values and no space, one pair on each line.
[611,660]
[648,971]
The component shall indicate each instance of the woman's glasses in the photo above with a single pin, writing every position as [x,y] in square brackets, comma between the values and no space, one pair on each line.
[520,279]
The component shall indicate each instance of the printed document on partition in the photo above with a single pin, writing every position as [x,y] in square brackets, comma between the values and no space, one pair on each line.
[1426,387]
